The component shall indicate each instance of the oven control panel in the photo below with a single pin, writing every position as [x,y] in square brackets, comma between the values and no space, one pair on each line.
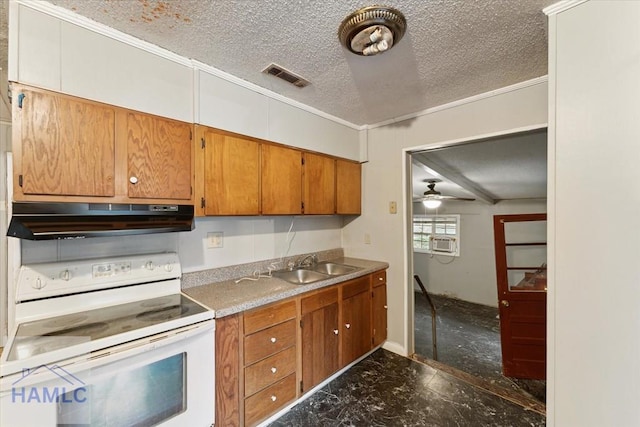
[111,269]
[44,280]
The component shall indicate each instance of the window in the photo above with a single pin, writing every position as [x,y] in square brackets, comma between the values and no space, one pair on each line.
[425,226]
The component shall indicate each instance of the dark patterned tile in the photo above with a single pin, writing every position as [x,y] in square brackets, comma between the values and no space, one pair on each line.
[389,390]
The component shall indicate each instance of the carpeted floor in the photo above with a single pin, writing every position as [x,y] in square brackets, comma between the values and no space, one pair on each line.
[468,339]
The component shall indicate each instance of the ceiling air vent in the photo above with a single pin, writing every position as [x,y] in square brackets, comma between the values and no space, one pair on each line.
[286,75]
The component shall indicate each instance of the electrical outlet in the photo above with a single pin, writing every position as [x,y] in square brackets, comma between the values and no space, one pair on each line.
[367,238]
[393,208]
[214,239]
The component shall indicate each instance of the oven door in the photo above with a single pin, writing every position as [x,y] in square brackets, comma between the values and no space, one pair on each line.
[167,380]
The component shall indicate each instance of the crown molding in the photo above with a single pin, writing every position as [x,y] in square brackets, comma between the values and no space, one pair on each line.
[561,6]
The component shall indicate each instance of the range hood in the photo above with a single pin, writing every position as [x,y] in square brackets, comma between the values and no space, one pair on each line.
[49,221]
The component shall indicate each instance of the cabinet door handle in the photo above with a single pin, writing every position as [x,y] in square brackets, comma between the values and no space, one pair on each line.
[273,398]
[380,279]
[133,180]
[274,370]
[347,325]
[335,331]
[385,307]
[273,339]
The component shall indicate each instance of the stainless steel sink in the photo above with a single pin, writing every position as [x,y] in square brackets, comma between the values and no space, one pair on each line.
[300,276]
[333,269]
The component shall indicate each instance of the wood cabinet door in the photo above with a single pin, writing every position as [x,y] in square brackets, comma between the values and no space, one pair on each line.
[356,325]
[348,187]
[281,183]
[319,184]
[63,146]
[379,314]
[231,175]
[320,345]
[159,157]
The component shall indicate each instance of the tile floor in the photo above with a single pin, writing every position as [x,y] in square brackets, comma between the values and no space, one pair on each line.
[386,389]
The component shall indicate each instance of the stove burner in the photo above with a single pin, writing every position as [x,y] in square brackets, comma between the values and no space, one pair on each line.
[66,321]
[163,314]
[81,330]
[157,302]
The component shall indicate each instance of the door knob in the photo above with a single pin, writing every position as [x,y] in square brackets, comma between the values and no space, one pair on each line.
[505,303]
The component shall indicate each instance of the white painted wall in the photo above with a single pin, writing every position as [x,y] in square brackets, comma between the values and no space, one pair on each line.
[245,239]
[385,179]
[593,353]
[472,275]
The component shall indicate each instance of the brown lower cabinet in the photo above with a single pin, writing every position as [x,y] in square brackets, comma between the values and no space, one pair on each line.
[269,356]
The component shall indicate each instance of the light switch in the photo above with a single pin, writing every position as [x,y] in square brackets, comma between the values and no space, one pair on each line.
[367,238]
[393,207]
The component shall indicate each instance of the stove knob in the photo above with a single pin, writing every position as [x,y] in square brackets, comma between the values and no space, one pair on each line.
[65,275]
[38,284]
[149,265]
[168,267]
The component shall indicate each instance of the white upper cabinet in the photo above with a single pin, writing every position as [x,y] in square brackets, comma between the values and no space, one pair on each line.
[51,53]
[225,105]
[100,68]
[36,58]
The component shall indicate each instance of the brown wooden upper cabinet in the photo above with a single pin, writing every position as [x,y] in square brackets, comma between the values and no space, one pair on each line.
[62,146]
[71,149]
[319,184]
[241,175]
[348,187]
[230,169]
[159,157]
[281,183]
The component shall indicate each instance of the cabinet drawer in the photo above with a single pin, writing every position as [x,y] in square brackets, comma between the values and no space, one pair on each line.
[379,278]
[319,300]
[269,341]
[355,287]
[269,400]
[262,318]
[266,372]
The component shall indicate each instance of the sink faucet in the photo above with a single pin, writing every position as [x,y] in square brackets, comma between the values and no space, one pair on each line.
[307,261]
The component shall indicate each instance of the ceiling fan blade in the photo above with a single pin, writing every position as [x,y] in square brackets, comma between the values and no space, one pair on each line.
[463,199]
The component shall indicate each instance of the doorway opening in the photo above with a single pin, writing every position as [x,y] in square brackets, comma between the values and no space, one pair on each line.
[504,174]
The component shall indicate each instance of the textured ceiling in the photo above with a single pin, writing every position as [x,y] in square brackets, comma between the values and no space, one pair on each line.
[452,49]
[504,168]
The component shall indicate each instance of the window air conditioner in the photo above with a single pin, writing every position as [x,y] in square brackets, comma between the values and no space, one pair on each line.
[445,244]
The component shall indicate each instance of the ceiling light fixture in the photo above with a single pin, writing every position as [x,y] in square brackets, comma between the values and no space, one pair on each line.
[372,30]
[432,203]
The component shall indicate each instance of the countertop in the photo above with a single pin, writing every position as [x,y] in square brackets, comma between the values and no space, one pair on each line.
[228,297]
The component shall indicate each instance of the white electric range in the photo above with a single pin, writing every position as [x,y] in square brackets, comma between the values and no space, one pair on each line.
[108,342]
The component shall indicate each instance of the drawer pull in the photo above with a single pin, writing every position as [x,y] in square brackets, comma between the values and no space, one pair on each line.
[274,370]
[273,339]
[273,398]
[335,331]
[347,325]
[380,279]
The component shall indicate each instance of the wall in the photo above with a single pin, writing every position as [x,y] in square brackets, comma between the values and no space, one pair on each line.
[385,179]
[246,239]
[472,275]
[593,296]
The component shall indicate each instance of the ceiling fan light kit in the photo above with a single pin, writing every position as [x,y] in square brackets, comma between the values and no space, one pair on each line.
[372,30]
[432,198]
[432,203]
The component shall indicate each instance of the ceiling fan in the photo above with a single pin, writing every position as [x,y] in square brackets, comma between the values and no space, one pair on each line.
[433,198]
